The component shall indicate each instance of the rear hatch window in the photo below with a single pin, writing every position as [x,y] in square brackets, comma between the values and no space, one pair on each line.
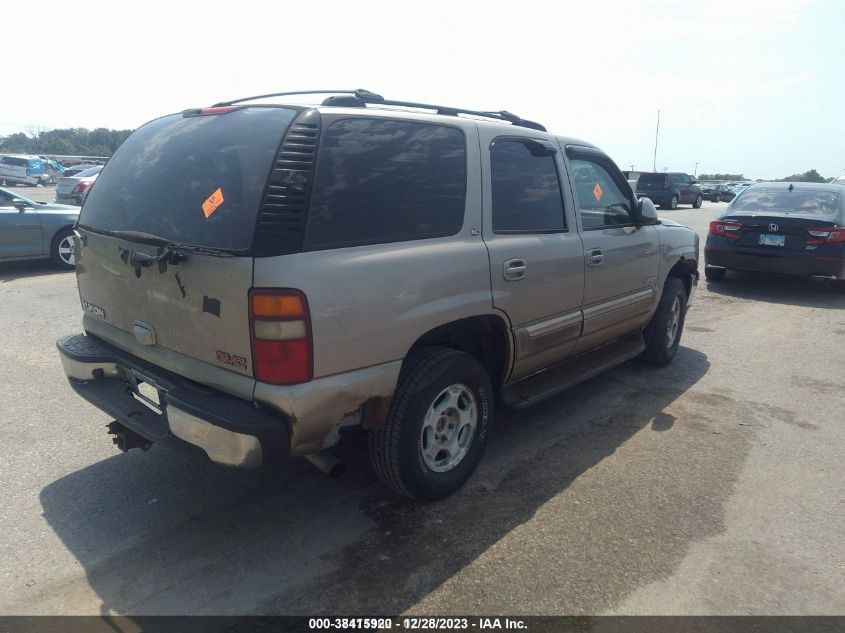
[651,181]
[195,180]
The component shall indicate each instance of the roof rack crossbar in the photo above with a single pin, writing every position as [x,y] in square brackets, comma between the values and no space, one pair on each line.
[365,97]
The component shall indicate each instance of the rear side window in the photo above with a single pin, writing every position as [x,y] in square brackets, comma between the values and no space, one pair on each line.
[380,181]
[526,190]
[17,162]
[197,180]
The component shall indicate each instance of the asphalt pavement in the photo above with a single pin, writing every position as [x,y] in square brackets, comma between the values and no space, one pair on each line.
[712,486]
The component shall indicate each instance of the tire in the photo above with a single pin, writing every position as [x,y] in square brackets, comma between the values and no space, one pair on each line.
[714,274]
[438,387]
[58,250]
[663,332]
[697,202]
[673,203]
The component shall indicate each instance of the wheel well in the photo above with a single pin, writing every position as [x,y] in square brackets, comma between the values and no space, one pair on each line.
[485,337]
[683,270]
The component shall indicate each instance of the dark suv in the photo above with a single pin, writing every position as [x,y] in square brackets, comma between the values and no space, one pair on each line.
[670,190]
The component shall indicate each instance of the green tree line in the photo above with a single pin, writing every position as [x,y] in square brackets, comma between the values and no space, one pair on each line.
[69,141]
[807,176]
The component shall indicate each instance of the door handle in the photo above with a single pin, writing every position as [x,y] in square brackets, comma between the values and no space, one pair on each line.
[594,257]
[514,269]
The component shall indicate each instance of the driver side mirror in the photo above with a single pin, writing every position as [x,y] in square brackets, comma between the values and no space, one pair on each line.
[20,205]
[646,212]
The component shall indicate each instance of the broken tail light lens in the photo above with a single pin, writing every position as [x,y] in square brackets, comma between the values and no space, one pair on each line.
[726,228]
[280,329]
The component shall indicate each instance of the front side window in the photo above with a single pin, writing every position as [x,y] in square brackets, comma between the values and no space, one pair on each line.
[526,190]
[381,181]
[603,203]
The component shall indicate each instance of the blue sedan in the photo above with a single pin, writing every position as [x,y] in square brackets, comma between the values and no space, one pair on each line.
[36,230]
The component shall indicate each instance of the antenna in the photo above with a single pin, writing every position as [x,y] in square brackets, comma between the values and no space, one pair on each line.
[656,132]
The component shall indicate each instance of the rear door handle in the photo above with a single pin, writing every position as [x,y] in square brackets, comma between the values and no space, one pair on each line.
[594,257]
[514,269]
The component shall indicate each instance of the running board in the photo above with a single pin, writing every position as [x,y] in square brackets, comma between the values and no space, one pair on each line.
[553,381]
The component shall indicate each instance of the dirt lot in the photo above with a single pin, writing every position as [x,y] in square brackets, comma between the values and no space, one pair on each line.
[714,485]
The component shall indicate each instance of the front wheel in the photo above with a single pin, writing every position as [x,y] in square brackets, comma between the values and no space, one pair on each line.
[697,203]
[438,426]
[663,333]
[63,250]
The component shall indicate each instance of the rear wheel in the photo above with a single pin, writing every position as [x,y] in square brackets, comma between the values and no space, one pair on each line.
[697,203]
[714,274]
[438,425]
[62,251]
[663,333]
[673,203]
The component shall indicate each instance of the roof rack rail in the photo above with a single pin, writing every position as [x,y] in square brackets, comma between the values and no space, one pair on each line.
[363,97]
[287,94]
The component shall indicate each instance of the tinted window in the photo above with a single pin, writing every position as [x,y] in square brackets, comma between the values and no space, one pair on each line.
[602,202]
[386,181]
[526,190]
[652,179]
[17,162]
[197,180]
[781,200]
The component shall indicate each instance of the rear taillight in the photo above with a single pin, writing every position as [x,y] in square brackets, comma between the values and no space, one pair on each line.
[728,229]
[832,235]
[281,336]
[81,187]
[666,183]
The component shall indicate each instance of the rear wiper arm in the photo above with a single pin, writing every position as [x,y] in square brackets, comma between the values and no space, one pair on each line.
[170,253]
[177,248]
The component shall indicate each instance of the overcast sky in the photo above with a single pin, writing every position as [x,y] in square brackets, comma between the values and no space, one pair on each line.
[742,86]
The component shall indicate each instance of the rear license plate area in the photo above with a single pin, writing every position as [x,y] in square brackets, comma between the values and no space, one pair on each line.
[772,240]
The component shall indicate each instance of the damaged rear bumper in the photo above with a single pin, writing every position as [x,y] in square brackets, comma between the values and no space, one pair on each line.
[186,416]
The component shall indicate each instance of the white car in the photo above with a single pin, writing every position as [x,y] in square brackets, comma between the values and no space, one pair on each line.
[74,189]
[23,169]
[838,181]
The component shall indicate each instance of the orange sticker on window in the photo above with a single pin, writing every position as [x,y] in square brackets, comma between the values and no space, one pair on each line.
[212,202]
[597,192]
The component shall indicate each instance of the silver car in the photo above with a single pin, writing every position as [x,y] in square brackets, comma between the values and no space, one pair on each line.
[74,189]
[36,230]
[258,280]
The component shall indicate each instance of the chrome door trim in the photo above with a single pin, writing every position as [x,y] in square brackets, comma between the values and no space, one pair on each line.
[550,325]
[620,302]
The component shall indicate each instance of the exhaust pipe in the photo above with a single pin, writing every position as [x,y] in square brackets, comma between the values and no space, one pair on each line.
[327,463]
[125,439]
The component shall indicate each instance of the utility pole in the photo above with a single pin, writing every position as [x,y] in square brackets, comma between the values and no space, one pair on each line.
[695,173]
[656,132]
